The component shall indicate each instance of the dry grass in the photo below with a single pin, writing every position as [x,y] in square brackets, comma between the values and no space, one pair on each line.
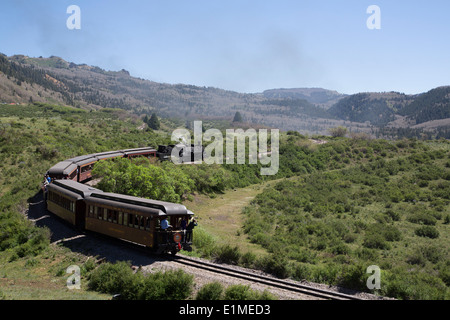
[222,217]
[43,277]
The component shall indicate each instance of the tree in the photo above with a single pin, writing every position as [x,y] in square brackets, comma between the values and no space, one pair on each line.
[338,131]
[237,117]
[153,123]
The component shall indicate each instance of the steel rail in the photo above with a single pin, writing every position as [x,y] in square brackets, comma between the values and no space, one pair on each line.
[273,282]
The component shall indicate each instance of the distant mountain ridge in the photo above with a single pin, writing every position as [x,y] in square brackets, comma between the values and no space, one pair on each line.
[318,96]
[309,110]
[381,108]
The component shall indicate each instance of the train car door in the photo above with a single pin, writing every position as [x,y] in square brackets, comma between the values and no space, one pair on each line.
[80,214]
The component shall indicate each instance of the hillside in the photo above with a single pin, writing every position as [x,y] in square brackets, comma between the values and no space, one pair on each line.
[432,105]
[307,110]
[391,211]
[363,201]
[376,108]
[318,96]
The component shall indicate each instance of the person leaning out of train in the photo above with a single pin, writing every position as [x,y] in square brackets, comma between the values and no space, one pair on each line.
[47,181]
[189,229]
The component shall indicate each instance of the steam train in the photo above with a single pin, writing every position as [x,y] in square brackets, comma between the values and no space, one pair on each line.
[80,168]
[119,216]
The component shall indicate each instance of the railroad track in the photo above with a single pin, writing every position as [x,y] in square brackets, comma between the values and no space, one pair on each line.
[273,282]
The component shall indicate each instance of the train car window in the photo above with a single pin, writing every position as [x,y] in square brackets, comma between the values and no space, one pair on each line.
[136,221]
[114,216]
[91,211]
[130,220]
[125,219]
[95,215]
[109,215]
[100,213]
[147,224]
[120,218]
[143,223]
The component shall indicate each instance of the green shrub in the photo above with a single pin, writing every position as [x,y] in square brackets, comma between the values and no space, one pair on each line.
[444,273]
[427,231]
[170,285]
[375,241]
[377,235]
[350,238]
[391,233]
[422,218]
[115,278]
[239,292]
[275,264]
[405,285]
[339,248]
[301,272]
[432,253]
[203,241]
[395,216]
[119,278]
[367,254]
[210,291]
[327,274]
[19,234]
[447,219]
[227,254]
[353,276]
[243,292]
[248,259]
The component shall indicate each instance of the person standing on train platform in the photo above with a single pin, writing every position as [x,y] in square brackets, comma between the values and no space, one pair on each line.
[164,226]
[183,226]
[189,229]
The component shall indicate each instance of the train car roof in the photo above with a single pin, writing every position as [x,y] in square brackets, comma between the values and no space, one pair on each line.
[138,151]
[62,168]
[123,206]
[72,188]
[166,208]
[91,159]
[80,158]
[110,154]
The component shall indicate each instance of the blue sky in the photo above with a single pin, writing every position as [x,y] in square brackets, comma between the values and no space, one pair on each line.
[245,45]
